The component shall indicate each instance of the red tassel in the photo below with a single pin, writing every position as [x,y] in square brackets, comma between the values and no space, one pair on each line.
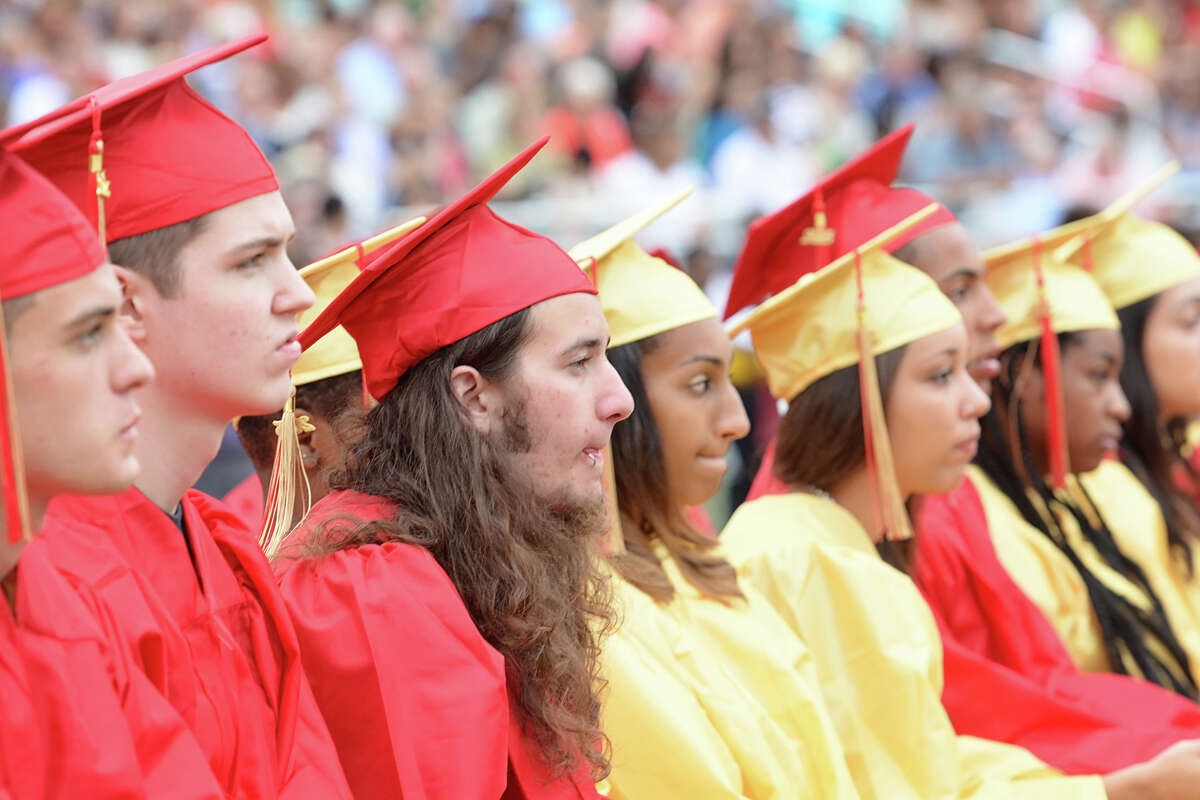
[1056,441]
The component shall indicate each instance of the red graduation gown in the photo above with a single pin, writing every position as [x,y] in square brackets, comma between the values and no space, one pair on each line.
[22,757]
[100,729]
[416,699]
[999,644]
[247,501]
[1008,676]
[212,636]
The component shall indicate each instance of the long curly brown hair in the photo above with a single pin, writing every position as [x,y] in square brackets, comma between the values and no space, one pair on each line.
[526,568]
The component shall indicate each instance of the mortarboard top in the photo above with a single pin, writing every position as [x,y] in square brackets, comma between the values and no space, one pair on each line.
[641,295]
[336,353]
[1130,257]
[461,271]
[845,209]
[154,150]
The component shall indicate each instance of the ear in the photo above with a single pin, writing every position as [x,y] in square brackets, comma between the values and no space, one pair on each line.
[309,457]
[136,289]
[478,397]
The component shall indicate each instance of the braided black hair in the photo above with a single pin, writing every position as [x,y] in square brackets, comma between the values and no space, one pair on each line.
[1133,637]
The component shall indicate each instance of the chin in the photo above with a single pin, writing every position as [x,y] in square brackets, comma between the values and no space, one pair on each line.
[944,483]
[270,399]
[702,490]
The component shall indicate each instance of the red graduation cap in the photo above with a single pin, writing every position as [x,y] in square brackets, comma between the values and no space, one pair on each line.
[44,239]
[464,269]
[847,208]
[147,151]
[44,242]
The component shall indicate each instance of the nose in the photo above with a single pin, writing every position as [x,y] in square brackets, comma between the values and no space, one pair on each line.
[293,294]
[131,369]
[733,424]
[976,403]
[614,403]
[991,315]
[1118,406]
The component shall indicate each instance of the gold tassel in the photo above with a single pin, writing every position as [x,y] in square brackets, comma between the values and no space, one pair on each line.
[96,168]
[288,479]
[891,514]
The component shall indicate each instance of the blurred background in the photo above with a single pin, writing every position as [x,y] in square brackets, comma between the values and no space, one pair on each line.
[1026,110]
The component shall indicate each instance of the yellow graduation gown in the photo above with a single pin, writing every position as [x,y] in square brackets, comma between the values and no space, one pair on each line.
[679,725]
[1136,522]
[878,658]
[749,641]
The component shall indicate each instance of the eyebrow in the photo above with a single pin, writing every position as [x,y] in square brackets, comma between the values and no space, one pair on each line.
[262,243]
[716,362]
[91,315]
[961,272]
[582,344]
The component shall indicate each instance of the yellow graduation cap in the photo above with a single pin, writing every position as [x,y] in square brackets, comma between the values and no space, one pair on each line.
[641,295]
[1130,257]
[863,304]
[1042,297]
[333,354]
[1075,300]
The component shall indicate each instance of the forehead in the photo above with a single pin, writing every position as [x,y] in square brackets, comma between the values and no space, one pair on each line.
[563,320]
[1100,342]
[1186,292]
[49,309]
[945,251]
[704,337]
[935,345]
[265,216]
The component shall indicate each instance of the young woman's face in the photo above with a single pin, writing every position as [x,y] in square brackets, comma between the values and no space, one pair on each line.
[696,409]
[1093,404]
[933,409]
[1171,350]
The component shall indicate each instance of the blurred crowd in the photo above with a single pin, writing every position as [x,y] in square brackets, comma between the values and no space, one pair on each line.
[1027,110]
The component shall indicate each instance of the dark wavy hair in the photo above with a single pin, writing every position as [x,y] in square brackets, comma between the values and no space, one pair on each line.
[1153,452]
[1133,637]
[642,494]
[526,569]
[820,438]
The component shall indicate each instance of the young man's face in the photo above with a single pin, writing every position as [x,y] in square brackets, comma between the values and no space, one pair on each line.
[74,371]
[562,400]
[224,342]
